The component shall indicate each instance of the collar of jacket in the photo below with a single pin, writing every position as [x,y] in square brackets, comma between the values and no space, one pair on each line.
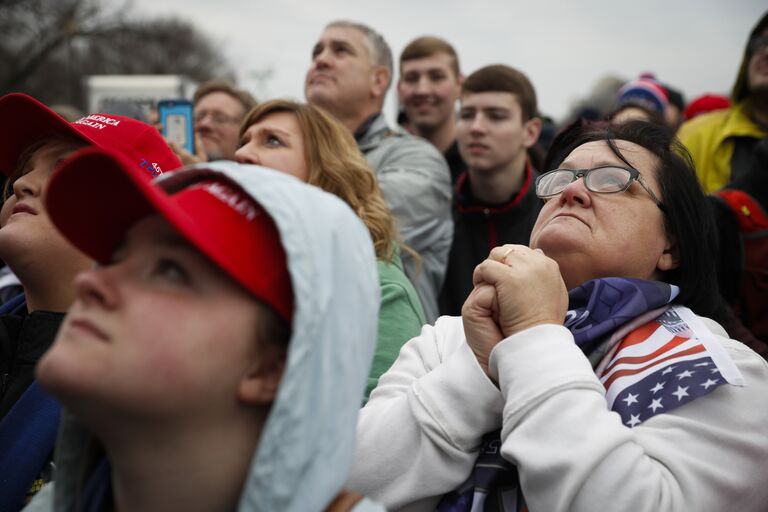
[373,131]
[363,129]
[467,204]
[737,123]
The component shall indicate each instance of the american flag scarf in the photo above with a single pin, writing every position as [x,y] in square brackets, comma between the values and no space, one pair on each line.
[650,355]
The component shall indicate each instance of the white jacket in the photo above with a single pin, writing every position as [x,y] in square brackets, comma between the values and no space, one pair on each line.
[419,434]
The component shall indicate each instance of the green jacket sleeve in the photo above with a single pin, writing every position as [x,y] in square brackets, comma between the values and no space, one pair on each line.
[400,319]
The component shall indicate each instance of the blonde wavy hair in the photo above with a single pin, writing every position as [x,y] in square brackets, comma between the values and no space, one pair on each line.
[337,166]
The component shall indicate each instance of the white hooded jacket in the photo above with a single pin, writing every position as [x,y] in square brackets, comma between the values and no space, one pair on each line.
[305,451]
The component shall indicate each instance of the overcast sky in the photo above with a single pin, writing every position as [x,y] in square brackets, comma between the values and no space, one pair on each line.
[563,46]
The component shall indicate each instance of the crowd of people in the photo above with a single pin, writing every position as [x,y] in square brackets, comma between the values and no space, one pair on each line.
[473,310]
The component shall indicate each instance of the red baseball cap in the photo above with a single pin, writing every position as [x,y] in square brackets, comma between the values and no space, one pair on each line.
[27,121]
[706,103]
[96,195]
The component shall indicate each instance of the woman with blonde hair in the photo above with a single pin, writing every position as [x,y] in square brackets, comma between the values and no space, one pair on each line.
[307,142]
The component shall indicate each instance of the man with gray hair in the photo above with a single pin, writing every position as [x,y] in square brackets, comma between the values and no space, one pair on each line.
[349,76]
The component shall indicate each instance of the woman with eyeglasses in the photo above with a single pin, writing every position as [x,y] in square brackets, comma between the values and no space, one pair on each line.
[587,371]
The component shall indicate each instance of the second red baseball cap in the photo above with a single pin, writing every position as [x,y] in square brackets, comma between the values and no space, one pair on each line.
[26,121]
[96,196]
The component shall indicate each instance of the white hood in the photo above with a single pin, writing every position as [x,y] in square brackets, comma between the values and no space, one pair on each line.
[305,451]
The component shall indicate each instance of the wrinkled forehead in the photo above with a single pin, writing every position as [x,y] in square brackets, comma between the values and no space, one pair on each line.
[345,35]
[596,153]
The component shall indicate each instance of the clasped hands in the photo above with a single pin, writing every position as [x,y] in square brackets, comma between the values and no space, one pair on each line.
[516,288]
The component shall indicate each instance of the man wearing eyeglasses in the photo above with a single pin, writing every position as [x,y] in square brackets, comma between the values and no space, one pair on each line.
[494,200]
[219,107]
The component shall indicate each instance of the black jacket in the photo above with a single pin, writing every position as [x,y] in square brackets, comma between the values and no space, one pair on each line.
[478,228]
[23,340]
[455,162]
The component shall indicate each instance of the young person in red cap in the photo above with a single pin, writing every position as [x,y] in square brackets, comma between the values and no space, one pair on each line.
[217,358]
[35,141]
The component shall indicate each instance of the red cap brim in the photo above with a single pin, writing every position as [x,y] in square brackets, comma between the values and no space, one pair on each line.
[26,121]
[96,195]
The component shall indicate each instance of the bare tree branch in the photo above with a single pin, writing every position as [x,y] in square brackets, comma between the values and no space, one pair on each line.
[50,45]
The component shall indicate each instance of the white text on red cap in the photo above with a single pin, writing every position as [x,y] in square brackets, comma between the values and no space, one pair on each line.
[233,199]
[97,121]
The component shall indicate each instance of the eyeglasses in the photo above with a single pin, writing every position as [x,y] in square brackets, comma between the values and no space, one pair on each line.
[216,117]
[608,179]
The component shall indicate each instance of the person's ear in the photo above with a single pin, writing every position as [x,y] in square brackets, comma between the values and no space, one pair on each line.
[380,81]
[531,131]
[259,386]
[669,258]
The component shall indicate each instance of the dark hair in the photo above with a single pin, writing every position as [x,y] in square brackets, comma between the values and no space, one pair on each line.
[740,89]
[24,157]
[426,46]
[675,97]
[688,218]
[501,78]
[652,115]
[272,329]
